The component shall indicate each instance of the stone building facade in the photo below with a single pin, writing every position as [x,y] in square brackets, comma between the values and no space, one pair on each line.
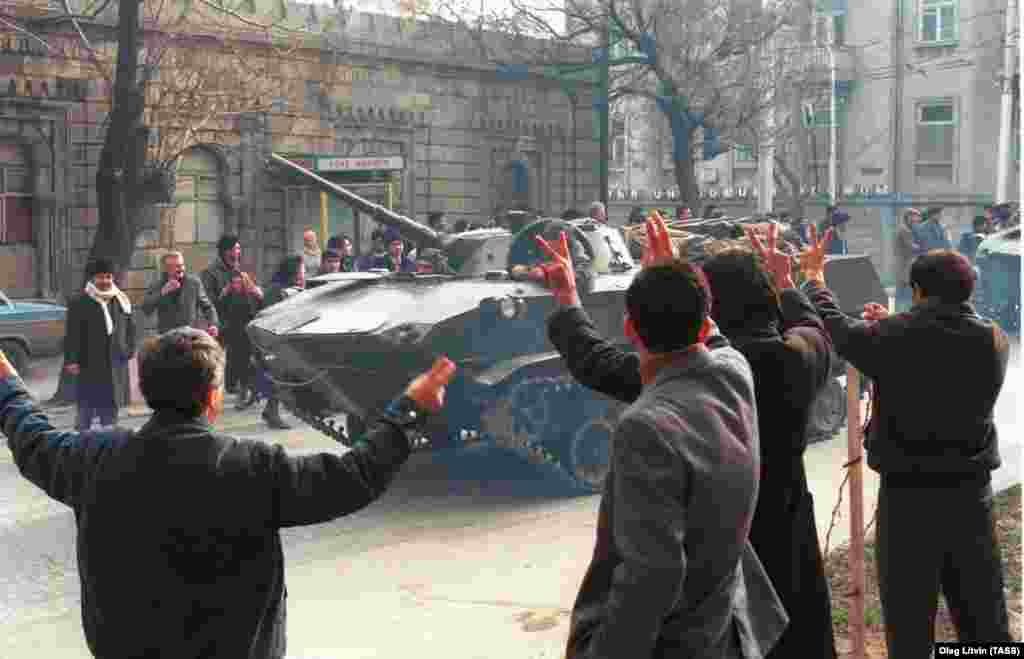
[448,134]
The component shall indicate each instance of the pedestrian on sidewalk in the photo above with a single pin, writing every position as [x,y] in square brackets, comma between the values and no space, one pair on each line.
[179,544]
[289,279]
[938,370]
[673,573]
[908,247]
[217,281]
[240,305]
[179,299]
[98,344]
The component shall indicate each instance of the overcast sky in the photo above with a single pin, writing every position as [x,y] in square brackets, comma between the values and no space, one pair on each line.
[392,7]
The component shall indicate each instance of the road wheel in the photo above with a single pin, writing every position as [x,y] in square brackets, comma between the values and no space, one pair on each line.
[587,444]
[552,419]
[17,355]
[828,413]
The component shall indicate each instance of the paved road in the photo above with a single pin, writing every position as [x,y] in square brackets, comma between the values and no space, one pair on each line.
[469,554]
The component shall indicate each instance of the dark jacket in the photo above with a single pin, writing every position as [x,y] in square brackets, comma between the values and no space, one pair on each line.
[236,310]
[789,368]
[374,261]
[176,571]
[214,279]
[672,573]
[908,247]
[183,307]
[103,359]
[937,371]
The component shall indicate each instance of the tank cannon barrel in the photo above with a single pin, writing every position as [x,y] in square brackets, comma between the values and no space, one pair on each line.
[409,228]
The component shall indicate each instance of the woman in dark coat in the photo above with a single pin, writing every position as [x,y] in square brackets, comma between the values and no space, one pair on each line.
[99,343]
[239,307]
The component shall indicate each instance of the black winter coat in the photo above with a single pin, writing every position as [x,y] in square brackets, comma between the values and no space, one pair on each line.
[179,550]
[937,370]
[790,368]
[102,358]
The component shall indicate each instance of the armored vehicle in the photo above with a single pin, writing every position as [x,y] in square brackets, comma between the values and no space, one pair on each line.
[352,341]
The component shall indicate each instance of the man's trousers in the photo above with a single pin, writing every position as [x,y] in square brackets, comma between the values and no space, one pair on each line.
[932,538]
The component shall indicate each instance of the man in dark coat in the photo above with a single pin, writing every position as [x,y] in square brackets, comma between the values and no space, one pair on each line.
[908,247]
[937,370]
[179,546]
[99,343]
[217,284]
[180,299]
[775,327]
[673,573]
[238,307]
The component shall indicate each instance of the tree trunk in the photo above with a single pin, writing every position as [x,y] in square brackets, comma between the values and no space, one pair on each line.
[119,179]
[796,198]
[686,175]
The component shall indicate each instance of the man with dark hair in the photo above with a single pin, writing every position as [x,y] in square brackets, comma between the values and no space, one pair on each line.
[672,573]
[179,299]
[217,280]
[179,547]
[330,263]
[932,233]
[938,370]
[342,244]
[99,342]
[908,247]
[435,220]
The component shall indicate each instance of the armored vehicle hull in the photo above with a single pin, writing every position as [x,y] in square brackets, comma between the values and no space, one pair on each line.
[352,341]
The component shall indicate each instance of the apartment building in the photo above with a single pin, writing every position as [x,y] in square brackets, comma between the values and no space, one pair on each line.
[918,97]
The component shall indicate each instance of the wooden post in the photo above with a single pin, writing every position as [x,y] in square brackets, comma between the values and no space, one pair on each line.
[854,452]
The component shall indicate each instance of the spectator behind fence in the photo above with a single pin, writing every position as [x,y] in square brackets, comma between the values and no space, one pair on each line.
[179,546]
[672,573]
[938,370]
[179,299]
[970,240]
[98,344]
[932,233]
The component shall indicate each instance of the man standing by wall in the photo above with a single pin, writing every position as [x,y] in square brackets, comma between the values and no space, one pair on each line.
[99,343]
[179,299]
[932,233]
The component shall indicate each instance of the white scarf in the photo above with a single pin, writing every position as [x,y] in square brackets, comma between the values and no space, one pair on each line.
[103,298]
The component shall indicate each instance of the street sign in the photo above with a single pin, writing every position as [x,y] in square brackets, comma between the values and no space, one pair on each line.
[359,164]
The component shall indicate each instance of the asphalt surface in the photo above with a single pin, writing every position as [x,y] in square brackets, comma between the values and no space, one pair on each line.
[471,553]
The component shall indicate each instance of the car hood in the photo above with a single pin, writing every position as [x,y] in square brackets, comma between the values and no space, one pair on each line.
[40,309]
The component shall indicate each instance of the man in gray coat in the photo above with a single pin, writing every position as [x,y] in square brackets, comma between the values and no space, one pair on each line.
[179,299]
[673,573]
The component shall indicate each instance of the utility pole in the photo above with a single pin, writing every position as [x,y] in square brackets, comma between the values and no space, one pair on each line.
[766,152]
[833,175]
[1006,110]
[896,98]
[603,111]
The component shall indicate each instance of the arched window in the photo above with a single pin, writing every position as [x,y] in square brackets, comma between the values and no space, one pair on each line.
[199,217]
[15,196]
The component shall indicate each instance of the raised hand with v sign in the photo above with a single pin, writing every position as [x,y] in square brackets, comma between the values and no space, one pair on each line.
[659,244]
[778,263]
[558,273]
[812,259]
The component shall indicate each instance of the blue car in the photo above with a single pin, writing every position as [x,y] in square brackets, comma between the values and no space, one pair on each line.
[30,329]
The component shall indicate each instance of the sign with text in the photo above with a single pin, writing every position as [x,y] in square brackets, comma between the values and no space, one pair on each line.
[359,164]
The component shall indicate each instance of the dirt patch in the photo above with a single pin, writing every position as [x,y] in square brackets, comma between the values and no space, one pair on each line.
[1008,529]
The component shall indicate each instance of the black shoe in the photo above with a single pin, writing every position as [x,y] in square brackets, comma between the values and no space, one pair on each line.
[275,422]
[231,389]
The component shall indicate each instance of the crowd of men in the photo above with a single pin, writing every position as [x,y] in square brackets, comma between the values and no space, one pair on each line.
[706,542]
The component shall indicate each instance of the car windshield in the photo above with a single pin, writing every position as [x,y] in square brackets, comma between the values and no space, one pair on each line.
[4,300]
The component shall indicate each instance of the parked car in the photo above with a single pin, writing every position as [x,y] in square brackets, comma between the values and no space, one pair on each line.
[30,329]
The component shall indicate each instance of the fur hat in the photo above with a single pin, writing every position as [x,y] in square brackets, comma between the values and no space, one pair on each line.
[100,265]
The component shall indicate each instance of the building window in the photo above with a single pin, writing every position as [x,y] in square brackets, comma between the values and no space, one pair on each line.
[199,217]
[936,138]
[938,21]
[744,153]
[16,225]
[619,144]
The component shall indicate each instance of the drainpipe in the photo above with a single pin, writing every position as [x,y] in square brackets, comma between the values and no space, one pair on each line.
[1006,111]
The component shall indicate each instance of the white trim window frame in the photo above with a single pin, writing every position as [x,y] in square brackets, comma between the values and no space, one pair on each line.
[938,22]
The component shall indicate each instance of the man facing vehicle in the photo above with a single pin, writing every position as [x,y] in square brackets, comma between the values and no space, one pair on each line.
[179,551]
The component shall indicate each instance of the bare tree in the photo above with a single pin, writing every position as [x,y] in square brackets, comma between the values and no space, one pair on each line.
[698,61]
